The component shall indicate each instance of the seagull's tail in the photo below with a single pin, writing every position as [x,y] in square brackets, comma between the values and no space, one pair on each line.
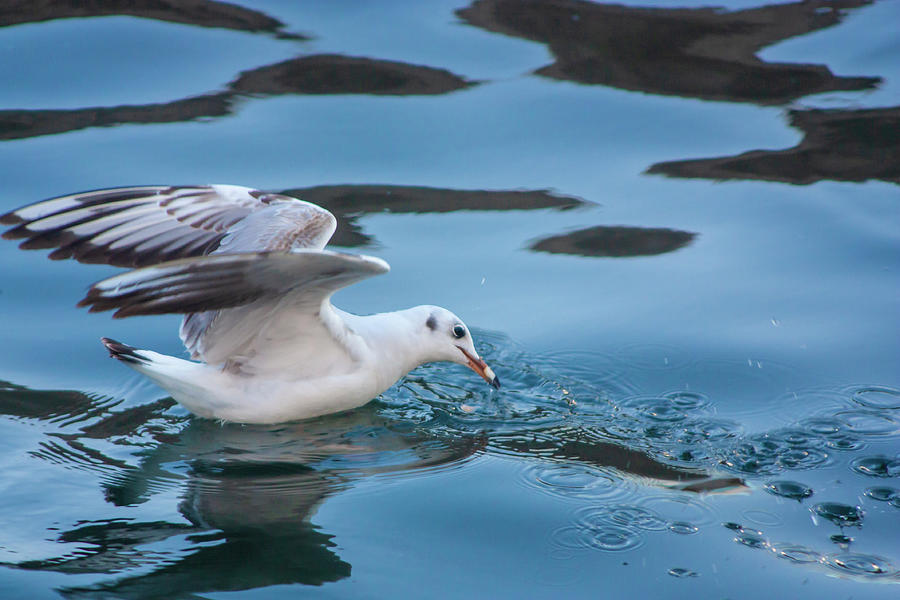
[197,386]
[125,353]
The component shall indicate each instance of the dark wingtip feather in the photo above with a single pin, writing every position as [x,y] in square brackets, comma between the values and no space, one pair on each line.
[11,218]
[122,352]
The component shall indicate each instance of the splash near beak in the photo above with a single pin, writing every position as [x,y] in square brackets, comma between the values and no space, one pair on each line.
[480,367]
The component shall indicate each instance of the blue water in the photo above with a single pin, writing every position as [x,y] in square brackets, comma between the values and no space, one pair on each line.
[680,258]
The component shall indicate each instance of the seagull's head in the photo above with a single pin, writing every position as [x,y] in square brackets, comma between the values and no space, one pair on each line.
[449,339]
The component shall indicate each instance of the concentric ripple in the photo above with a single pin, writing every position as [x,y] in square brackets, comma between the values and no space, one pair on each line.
[877,466]
[573,480]
[621,514]
[869,423]
[796,553]
[878,397]
[882,493]
[860,564]
[674,508]
[606,537]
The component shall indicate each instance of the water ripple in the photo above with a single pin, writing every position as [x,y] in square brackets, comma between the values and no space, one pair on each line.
[877,466]
[869,423]
[628,515]
[573,480]
[860,564]
[692,509]
[605,536]
[796,553]
[882,493]
[879,397]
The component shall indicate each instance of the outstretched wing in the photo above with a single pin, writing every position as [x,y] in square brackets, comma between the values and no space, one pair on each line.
[266,302]
[139,226]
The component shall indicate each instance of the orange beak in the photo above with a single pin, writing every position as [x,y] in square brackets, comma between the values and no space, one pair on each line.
[480,367]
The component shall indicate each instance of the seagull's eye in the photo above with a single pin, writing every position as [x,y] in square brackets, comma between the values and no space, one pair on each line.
[459,331]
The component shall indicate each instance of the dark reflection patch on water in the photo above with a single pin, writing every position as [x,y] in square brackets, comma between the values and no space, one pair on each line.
[837,144]
[636,48]
[303,75]
[199,13]
[350,202]
[615,241]
[336,74]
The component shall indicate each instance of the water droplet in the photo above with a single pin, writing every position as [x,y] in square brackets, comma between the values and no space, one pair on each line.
[878,397]
[789,489]
[841,539]
[688,400]
[877,466]
[822,425]
[752,539]
[801,458]
[860,564]
[615,539]
[845,443]
[793,437]
[882,494]
[683,528]
[681,572]
[796,553]
[839,514]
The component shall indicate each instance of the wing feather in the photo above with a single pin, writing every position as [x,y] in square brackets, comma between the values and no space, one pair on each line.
[166,230]
[232,297]
[140,226]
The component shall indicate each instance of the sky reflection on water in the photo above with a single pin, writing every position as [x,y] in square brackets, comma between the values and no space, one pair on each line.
[678,353]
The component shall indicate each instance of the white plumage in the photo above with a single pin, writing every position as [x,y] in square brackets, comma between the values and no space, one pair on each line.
[249,271]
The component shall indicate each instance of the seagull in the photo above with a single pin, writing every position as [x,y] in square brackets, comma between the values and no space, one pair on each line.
[250,273]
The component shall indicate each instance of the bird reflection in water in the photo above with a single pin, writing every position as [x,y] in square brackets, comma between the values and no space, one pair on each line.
[249,494]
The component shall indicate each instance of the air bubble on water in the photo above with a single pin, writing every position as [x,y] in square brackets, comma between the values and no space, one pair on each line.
[841,515]
[682,572]
[877,466]
[796,553]
[683,528]
[882,493]
[860,564]
[841,539]
[789,489]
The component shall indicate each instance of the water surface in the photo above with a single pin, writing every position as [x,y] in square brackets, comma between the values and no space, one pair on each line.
[672,228]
